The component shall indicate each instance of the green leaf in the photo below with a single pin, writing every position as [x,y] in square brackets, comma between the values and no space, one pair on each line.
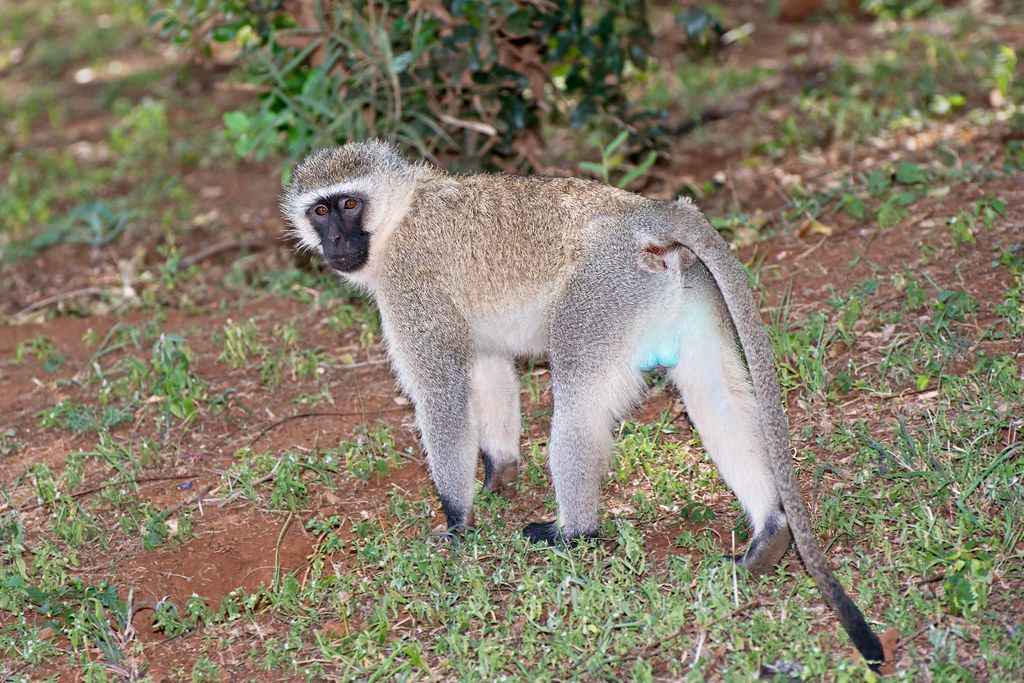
[909,173]
[401,62]
[891,213]
[638,170]
[237,121]
[961,594]
[877,182]
[223,34]
[853,206]
[906,198]
[518,23]
[616,143]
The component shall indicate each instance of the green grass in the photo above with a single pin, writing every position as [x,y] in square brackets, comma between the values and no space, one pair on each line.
[936,500]
[52,197]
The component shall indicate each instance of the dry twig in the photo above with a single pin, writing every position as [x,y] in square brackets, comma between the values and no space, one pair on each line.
[302,416]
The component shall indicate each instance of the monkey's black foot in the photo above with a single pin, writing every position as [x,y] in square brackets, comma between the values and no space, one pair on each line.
[548,532]
[767,548]
[498,478]
[542,532]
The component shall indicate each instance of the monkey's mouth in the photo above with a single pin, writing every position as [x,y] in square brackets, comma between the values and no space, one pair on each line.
[346,263]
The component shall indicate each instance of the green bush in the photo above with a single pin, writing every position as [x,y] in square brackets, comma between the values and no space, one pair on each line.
[470,77]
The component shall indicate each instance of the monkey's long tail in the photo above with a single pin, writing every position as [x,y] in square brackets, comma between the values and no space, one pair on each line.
[705,242]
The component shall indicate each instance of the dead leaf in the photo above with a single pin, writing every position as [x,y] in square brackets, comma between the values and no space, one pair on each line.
[206,218]
[837,349]
[526,59]
[434,8]
[797,10]
[811,225]
[478,126]
[890,640]
[528,146]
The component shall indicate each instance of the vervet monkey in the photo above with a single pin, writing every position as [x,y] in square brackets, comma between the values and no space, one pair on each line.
[471,271]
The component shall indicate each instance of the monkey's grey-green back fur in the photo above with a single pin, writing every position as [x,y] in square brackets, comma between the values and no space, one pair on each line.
[536,233]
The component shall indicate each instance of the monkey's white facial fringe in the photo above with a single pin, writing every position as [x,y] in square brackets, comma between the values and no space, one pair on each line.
[387,198]
[306,239]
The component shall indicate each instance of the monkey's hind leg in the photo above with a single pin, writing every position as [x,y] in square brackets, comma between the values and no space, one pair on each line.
[496,405]
[585,409]
[719,398]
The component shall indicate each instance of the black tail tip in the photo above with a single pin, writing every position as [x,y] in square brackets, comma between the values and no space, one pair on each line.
[866,642]
[863,638]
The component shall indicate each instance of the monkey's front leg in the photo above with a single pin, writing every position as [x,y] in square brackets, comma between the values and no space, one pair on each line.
[448,427]
[432,360]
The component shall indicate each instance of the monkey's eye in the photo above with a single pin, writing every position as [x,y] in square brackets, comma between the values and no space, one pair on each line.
[320,210]
[350,204]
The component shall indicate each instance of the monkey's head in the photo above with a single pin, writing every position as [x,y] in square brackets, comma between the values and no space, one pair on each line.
[344,199]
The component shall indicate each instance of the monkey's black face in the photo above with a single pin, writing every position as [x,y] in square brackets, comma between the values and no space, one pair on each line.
[338,220]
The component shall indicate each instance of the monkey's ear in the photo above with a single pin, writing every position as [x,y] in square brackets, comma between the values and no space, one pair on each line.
[657,259]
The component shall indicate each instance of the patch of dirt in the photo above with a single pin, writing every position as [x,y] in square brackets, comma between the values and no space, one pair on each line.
[233,649]
[236,548]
